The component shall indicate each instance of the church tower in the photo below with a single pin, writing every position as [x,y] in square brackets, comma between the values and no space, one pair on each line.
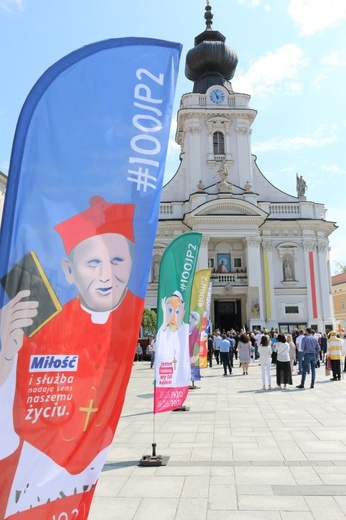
[268,250]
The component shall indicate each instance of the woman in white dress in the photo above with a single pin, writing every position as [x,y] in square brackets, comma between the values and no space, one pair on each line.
[265,354]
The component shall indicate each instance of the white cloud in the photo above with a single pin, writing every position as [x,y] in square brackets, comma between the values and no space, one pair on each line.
[334,59]
[276,72]
[321,137]
[250,3]
[315,15]
[9,6]
[329,63]
[334,168]
[254,3]
[316,84]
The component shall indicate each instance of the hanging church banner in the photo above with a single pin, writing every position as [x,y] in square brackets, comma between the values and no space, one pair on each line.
[197,313]
[79,225]
[172,359]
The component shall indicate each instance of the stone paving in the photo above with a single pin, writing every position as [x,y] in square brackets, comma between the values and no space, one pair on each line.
[239,452]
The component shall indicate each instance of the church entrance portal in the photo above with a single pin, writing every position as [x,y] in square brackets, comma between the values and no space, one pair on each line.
[227,314]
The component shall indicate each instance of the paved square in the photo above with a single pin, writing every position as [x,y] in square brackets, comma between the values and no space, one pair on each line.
[239,452]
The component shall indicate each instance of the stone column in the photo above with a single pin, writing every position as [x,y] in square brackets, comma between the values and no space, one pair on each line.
[268,268]
[325,290]
[243,132]
[310,273]
[193,154]
[255,285]
[202,262]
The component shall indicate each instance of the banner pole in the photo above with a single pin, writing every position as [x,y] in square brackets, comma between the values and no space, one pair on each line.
[153,459]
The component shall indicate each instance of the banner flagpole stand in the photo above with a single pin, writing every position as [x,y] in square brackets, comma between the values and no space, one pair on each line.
[181,409]
[153,459]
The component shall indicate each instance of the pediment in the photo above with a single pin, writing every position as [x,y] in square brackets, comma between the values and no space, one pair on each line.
[225,212]
[228,207]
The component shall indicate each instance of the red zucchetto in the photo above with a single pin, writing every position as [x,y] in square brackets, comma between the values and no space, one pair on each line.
[102,217]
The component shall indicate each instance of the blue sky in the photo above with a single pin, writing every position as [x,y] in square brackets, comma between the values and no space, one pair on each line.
[292,61]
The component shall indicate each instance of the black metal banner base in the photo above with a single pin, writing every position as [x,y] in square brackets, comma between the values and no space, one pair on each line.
[182,409]
[149,460]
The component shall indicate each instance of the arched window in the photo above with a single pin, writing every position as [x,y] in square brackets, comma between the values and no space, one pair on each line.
[218,143]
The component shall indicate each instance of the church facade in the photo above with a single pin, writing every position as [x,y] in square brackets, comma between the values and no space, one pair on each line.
[268,251]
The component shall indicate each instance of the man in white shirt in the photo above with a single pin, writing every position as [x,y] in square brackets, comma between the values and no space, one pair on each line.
[216,345]
[299,351]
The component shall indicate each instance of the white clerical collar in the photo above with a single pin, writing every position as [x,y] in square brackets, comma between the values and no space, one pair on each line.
[100,318]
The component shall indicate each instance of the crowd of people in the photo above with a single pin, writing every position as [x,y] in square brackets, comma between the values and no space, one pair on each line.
[305,349]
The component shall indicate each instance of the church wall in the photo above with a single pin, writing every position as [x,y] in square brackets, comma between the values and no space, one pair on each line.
[279,241]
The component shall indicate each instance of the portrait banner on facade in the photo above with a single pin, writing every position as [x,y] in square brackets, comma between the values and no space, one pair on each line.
[172,358]
[199,296]
[79,224]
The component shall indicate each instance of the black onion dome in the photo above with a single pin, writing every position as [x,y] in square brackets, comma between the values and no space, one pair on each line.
[211,61]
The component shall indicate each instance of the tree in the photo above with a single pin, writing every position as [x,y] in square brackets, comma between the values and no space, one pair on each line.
[341,268]
[149,320]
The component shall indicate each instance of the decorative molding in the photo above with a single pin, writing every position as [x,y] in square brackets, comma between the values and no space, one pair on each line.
[267,246]
[232,204]
[289,283]
[287,249]
[322,247]
[294,232]
[218,124]
[243,130]
[168,232]
[193,129]
[253,241]
[228,288]
[309,245]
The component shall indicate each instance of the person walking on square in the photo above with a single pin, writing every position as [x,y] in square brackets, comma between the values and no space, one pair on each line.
[244,349]
[216,346]
[310,349]
[224,354]
[292,351]
[283,367]
[344,351]
[299,340]
[334,353]
[210,350]
[324,340]
[265,353]
[231,349]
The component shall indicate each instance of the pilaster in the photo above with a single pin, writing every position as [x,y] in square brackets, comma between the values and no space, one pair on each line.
[268,268]
[325,293]
[310,273]
[202,262]
[255,288]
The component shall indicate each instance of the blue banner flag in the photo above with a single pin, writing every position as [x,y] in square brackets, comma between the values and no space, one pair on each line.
[78,229]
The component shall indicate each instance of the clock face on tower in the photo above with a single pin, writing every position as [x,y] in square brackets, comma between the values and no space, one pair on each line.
[217,96]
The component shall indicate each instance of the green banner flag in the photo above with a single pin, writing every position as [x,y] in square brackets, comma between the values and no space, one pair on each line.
[172,359]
